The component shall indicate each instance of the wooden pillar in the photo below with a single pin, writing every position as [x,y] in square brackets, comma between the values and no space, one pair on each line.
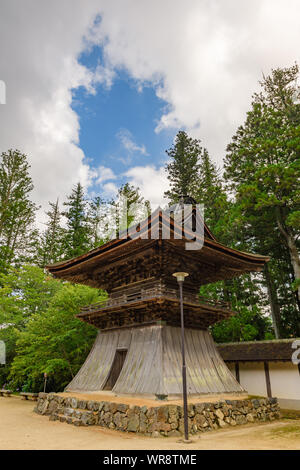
[237,372]
[268,382]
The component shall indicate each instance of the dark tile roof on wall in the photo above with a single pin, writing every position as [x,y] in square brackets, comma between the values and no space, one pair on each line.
[274,350]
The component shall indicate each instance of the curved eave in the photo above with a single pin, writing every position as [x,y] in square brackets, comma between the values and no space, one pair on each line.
[155,221]
[67,268]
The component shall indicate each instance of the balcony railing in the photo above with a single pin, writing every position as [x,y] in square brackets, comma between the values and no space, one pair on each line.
[151,293]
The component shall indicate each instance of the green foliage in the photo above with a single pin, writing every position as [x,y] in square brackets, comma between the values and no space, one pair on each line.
[25,291]
[246,325]
[224,218]
[42,333]
[51,246]
[210,192]
[130,207]
[97,217]
[192,172]
[246,298]
[182,170]
[262,166]
[55,341]
[77,239]
[17,211]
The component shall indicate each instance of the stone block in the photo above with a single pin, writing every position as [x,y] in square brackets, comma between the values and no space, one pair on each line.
[82,404]
[200,421]
[162,414]
[77,422]
[74,403]
[68,411]
[219,414]
[199,408]
[222,423]
[122,407]
[133,423]
[43,407]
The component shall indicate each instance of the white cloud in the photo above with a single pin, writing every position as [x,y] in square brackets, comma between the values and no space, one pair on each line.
[104,75]
[126,139]
[204,59]
[103,174]
[39,47]
[2,92]
[152,183]
[110,189]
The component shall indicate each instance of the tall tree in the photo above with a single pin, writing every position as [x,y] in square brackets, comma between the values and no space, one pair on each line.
[26,291]
[77,238]
[17,211]
[129,207]
[51,245]
[54,341]
[183,168]
[97,218]
[37,312]
[192,172]
[212,195]
[263,165]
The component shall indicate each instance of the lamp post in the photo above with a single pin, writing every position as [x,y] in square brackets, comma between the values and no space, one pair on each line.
[180,279]
[45,381]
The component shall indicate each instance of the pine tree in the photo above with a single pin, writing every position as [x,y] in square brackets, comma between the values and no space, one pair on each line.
[262,161]
[97,217]
[262,168]
[130,207]
[183,169]
[77,237]
[51,245]
[206,187]
[17,211]
[212,195]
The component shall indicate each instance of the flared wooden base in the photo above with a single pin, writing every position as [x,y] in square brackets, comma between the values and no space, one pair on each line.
[147,361]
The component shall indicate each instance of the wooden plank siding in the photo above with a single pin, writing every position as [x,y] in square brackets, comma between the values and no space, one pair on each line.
[153,363]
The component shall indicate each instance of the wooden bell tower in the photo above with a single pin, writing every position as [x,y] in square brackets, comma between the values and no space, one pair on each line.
[138,349]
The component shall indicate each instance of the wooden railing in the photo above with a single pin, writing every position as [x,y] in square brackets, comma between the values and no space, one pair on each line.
[150,293]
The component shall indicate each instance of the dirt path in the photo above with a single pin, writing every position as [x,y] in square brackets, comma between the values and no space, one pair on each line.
[21,428]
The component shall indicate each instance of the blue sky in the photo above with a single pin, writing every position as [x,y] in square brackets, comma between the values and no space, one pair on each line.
[117,123]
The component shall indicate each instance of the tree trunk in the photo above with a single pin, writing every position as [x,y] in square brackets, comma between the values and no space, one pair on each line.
[292,247]
[273,299]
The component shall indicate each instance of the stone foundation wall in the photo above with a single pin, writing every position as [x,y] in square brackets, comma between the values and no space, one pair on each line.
[165,420]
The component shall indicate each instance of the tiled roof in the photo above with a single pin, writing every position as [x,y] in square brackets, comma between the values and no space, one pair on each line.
[274,350]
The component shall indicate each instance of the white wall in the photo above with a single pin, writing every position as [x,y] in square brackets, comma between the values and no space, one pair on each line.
[252,377]
[284,378]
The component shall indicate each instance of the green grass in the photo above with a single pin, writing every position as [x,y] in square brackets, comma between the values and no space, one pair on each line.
[290,414]
[292,430]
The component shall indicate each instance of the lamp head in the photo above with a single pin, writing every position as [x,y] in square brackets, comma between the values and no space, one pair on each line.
[180,276]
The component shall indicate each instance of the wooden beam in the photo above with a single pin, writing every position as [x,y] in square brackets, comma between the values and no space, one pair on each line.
[268,382]
[237,372]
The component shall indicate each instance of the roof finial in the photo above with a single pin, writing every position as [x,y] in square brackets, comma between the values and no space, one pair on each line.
[186,199]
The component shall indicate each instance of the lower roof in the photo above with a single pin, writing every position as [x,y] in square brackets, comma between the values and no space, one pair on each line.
[255,351]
